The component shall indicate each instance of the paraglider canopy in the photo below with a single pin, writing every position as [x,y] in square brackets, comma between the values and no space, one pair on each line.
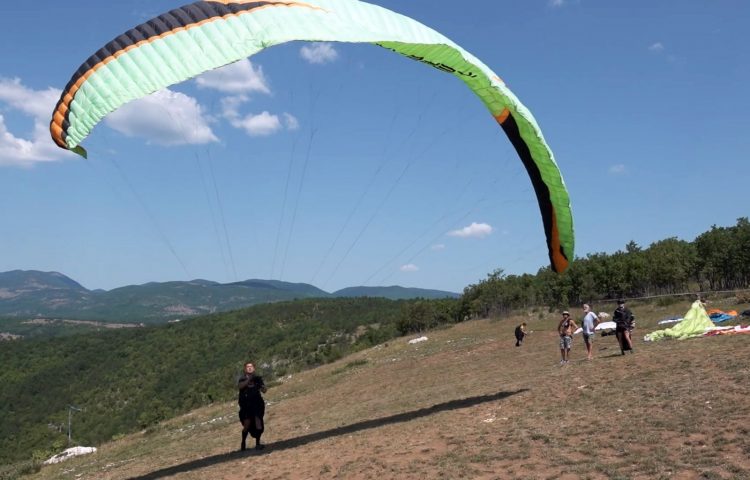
[205,35]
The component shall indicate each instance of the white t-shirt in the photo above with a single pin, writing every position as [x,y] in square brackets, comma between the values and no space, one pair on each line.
[588,323]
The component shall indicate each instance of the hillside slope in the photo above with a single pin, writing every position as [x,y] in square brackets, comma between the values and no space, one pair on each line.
[467,404]
[132,378]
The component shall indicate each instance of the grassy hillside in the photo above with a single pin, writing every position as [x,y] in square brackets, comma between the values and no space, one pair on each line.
[468,404]
[131,378]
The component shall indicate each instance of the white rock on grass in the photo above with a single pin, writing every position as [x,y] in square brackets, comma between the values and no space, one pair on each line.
[70,453]
[417,340]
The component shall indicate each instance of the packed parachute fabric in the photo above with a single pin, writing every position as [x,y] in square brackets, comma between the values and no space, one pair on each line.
[736,330]
[599,327]
[205,35]
[669,320]
[694,324]
[718,316]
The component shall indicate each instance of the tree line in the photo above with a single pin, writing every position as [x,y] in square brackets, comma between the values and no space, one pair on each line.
[718,259]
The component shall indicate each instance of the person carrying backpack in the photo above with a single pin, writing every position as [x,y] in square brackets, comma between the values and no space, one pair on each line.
[625,323]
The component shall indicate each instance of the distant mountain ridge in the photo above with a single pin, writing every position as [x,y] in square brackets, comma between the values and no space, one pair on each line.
[33,294]
[393,292]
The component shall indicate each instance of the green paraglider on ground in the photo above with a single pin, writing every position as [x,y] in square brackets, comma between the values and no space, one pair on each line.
[695,323]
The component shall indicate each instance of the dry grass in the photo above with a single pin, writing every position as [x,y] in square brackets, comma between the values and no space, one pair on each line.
[467,404]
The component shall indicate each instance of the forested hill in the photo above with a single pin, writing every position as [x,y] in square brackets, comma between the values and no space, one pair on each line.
[128,379]
[33,294]
[393,292]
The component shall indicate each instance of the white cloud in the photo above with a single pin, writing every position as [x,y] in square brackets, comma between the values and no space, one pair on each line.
[238,77]
[291,121]
[37,104]
[259,125]
[230,106]
[618,169]
[262,124]
[164,118]
[409,267]
[319,53]
[563,3]
[475,230]
[12,149]
[438,247]
[656,47]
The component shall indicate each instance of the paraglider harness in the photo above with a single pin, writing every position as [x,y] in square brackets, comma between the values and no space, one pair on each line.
[250,397]
[625,322]
[252,406]
[624,319]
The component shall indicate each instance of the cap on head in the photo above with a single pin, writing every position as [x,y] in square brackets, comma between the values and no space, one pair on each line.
[566,313]
[621,302]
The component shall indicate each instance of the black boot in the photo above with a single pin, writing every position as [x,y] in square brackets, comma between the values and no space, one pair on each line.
[243,445]
[256,432]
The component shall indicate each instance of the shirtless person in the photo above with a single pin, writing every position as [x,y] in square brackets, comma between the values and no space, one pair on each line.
[565,328]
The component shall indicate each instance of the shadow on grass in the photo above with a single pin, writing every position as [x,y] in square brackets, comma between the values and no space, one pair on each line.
[334,432]
[613,355]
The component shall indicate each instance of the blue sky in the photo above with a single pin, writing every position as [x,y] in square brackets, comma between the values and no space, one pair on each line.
[343,165]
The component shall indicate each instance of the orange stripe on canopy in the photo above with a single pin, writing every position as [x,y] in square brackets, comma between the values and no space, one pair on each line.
[503,116]
[559,261]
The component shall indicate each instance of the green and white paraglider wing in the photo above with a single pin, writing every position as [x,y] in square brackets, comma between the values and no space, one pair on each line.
[205,35]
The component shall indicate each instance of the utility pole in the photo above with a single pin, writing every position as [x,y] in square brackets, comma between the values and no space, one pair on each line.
[70,416]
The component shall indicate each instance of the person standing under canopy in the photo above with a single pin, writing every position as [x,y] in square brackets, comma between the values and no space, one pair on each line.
[252,405]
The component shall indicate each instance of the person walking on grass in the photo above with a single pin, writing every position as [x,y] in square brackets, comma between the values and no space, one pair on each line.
[520,334]
[565,328]
[588,324]
[252,405]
